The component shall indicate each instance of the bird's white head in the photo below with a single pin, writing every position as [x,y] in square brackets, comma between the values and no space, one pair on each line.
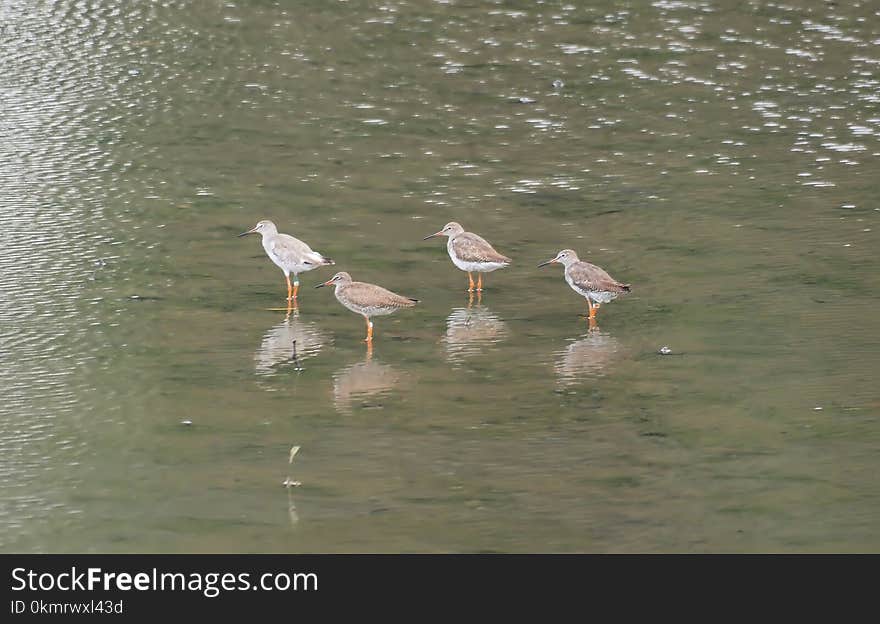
[566,257]
[450,229]
[264,227]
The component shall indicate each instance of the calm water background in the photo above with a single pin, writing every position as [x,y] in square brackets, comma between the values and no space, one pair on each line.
[720,155]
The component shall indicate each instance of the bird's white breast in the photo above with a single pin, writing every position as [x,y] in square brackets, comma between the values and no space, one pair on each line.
[269,247]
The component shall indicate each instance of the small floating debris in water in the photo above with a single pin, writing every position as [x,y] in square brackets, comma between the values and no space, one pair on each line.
[186,423]
[664,351]
[293,451]
[558,84]
[818,408]
[522,100]
[143,298]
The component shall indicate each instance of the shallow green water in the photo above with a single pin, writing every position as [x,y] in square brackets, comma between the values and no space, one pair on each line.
[720,156]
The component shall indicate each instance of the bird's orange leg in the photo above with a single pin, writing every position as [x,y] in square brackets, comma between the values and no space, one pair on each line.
[369,337]
[470,282]
[289,288]
[591,319]
[480,283]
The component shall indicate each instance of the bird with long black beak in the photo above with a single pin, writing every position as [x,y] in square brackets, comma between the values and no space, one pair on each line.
[365,299]
[471,253]
[290,254]
[588,280]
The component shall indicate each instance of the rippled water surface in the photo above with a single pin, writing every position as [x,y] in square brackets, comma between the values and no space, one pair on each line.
[722,156]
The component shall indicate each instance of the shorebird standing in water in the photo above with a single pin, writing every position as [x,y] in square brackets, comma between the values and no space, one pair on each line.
[290,254]
[471,253]
[589,281]
[365,299]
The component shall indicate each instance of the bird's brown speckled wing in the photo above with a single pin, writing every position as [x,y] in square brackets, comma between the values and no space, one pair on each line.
[371,295]
[591,278]
[472,248]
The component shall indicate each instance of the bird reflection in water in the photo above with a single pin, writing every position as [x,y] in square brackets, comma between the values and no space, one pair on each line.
[469,330]
[589,356]
[369,378]
[289,342]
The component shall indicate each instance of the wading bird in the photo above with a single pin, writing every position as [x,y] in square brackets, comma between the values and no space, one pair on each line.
[365,299]
[290,254]
[471,253]
[588,280]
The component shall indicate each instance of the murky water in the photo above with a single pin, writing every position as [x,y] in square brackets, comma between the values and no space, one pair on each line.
[720,156]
